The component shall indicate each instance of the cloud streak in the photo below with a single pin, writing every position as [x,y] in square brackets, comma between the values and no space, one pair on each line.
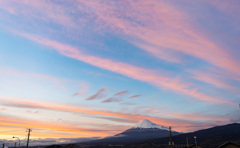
[214,79]
[97,95]
[23,122]
[178,35]
[172,119]
[185,53]
[135,96]
[121,93]
[134,72]
[84,89]
[117,97]
[112,99]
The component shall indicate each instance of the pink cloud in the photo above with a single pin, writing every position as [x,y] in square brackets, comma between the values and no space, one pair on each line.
[162,28]
[212,78]
[83,89]
[97,95]
[158,27]
[117,97]
[231,8]
[172,118]
[135,96]
[188,116]
[121,93]
[145,75]
[111,99]
[41,10]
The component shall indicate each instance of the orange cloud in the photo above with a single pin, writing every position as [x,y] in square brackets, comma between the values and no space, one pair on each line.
[173,119]
[22,123]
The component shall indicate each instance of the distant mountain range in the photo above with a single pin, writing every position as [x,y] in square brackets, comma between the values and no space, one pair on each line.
[208,138]
[147,134]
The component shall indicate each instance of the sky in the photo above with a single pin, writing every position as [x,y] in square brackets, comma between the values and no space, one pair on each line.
[78,69]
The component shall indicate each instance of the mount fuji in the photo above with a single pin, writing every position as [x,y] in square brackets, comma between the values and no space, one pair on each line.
[143,130]
[146,129]
[146,124]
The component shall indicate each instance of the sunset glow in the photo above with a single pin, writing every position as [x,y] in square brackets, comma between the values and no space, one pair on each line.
[80,68]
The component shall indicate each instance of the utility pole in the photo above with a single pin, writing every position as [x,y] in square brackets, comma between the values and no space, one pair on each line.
[171,142]
[3,145]
[187,142]
[28,130]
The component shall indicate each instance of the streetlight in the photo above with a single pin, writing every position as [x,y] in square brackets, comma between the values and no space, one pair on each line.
[195,141]
[18,141]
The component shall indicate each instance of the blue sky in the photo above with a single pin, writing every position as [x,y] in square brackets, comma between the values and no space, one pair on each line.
[86,69]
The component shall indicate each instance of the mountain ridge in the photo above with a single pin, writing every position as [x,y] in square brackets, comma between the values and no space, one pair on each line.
[210,137]
[143,130]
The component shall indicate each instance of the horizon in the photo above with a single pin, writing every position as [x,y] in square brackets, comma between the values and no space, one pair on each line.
[79,69]
[52,141]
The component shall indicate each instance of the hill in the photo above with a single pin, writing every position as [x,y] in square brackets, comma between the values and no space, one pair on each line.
[212,137]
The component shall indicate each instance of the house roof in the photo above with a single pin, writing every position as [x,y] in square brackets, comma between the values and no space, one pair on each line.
[228,143]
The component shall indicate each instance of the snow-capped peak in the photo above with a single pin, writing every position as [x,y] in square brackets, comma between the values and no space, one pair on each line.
[148,124]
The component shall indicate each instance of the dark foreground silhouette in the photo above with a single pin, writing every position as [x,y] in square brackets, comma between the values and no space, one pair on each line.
[206,138]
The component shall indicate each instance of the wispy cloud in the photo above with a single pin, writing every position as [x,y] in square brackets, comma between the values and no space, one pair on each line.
[59,16]
[37,124]
[97,95]
[121,93]
[135,96]
[180,36]
[217,80]
[117,97]
[58,81]
[166,34]
[145,75]
[122,120]
[172,119]
[83,89]
[127,103]
[112,99]
[178,49]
